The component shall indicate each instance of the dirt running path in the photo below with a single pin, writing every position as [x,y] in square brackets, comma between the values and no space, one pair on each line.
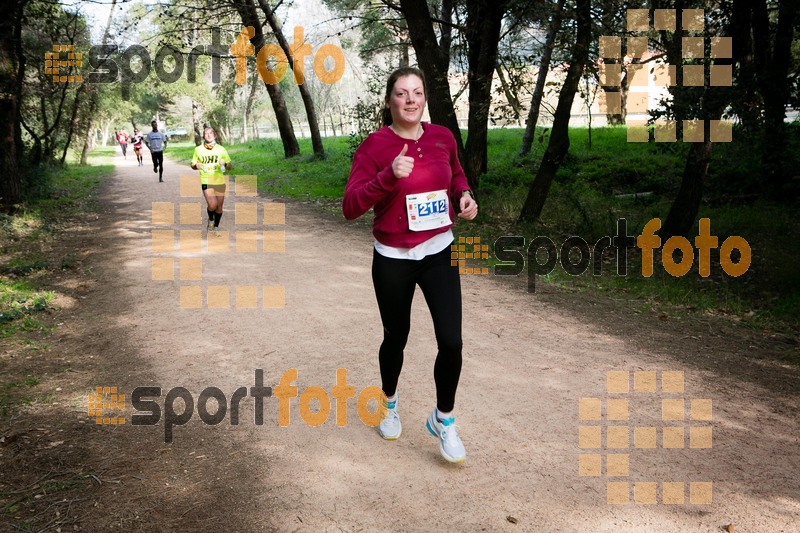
[528,361]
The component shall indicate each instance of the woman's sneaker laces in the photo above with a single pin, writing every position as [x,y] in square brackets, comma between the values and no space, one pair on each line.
[450,445]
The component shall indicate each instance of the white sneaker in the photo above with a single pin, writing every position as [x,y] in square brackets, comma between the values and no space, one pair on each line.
[450,445]
[390,427]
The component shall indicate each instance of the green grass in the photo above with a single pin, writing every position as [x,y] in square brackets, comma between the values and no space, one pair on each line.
[15,394]
[585,200]
[55,197]
[302,177]
[59,485]
[20,302]
[60,194]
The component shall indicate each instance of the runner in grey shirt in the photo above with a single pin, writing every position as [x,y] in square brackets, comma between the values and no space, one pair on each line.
[156,141]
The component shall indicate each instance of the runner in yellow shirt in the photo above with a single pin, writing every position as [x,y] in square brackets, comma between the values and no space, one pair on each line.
[212,160]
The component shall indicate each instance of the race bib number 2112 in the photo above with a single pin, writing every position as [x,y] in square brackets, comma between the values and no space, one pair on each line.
[429,210]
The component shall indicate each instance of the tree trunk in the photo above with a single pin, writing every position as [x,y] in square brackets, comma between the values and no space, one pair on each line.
[541,78]
[680,102]
[72,123]
[405,59]
[87,142]
[434,61]
[197,127]
[308,101]
[774,70]
[93,94]
[613,21]
[484,20]
[558,145]
[10,31]
[228,125]
[684,209]
[104,132]
[747,87]
[617,119]
[291,147]
[248,108]
[508,91]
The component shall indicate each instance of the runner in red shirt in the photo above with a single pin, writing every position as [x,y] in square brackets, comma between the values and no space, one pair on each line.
[408,172]
[122,138]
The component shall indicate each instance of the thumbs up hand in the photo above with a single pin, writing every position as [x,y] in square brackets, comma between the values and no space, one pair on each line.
[402,164]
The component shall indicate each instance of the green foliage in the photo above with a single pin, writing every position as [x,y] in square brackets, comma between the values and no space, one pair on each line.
[15,394]
[382,28]
[19,299]
[304,176]
[366,116]
[64,192]
[46,106]
[594,188]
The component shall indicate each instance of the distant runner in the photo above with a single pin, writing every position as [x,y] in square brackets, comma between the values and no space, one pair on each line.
[212,160]
[137,146]
[122,139]
[156,141]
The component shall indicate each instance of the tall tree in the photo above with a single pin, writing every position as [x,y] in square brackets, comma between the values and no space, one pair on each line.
[93,95]
[541,77]
[558,144]
[482,35]
[45,102]
[302,86]
[484,20]
[706,104]
[11,72]
[433,56]
[249,15]
[772,60]
[613,24]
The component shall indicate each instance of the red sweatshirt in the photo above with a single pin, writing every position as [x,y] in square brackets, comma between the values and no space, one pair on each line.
[372,183]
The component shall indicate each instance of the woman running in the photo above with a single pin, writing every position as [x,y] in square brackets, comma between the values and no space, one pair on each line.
[156,142]
[409,173]
[137,146]
[212,160]
[122,138]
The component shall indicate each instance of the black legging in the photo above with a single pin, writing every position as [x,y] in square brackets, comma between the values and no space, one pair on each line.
[158,162]
[395,281]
